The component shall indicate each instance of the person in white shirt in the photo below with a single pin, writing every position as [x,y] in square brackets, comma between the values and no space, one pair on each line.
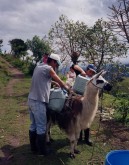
[38,99]
[71,75]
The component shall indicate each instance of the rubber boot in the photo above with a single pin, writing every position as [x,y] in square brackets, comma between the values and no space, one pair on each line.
[32,138]
[80,138]
[41,143]
[87,135]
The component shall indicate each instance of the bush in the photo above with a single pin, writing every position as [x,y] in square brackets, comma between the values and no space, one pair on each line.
[18,63]
[31,69]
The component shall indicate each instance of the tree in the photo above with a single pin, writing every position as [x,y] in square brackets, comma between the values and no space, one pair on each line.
[119,19]
[39,47]
[96,45]
[101,46]
[64,37]
[1,41]
[18,47]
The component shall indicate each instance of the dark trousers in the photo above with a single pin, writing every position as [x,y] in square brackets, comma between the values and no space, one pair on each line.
[86,136]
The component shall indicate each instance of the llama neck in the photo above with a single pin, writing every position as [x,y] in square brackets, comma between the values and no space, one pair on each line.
[91,91]
[90,106]
[91,96]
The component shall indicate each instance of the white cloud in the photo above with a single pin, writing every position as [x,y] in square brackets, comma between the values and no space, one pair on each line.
[123,60]
[25,18]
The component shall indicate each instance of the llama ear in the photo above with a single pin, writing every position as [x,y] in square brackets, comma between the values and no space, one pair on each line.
[103,73]
[98,74]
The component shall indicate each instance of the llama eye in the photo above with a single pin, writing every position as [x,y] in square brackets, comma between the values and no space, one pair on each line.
[99,82]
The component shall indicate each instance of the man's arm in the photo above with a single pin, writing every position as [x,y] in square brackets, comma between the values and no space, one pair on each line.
[55,83]
[58,80]
[67,75]
[80,70]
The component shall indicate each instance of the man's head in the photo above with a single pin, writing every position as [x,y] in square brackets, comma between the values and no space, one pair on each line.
[90,70]
[45,57]
[74,57]
[54,60]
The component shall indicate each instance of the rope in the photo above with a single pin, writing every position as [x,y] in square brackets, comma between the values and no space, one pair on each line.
[101,106]
[68,100]
[97,160]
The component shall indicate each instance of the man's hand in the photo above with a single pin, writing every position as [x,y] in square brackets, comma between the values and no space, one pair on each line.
[68,89]
[55,84]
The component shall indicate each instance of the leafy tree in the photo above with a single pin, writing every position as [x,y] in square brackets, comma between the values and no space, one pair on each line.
[64,36]
[1,41]
[101,46]
[97,44]
[119,18]
[18,47]
[39,47]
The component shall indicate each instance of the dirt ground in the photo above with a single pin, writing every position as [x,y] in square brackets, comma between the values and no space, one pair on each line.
[17,75]
[116,134]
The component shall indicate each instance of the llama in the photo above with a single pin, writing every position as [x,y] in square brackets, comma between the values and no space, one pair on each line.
[82,111]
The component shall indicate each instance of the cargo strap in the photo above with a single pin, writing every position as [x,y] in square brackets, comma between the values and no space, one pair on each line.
[69,100]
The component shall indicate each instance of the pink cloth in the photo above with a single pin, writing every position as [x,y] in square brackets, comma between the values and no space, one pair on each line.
[70,78]
[45,59]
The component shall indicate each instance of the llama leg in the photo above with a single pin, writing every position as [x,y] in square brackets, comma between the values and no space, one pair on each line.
[76,151]
[72,143]
[48,132]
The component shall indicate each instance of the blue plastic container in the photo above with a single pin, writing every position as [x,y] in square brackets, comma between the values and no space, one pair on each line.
[80,84]
[117,157]
[57,99]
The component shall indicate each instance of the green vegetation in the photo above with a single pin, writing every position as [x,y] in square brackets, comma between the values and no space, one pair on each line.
[122,101]
[19,48]
[119,101]
[26,66]
[39,47]
[4,74]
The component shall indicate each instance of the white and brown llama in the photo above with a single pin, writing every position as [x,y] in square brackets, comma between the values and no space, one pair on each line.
[81,111]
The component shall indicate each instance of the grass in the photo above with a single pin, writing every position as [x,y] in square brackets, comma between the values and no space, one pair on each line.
[4,74]
[14,126]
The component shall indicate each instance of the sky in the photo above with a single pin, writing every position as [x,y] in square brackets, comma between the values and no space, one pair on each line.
[24,19]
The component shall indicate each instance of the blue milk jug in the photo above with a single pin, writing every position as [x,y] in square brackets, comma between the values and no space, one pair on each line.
[57,99]
[80,84]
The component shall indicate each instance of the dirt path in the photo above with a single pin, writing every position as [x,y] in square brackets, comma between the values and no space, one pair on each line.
[16,75]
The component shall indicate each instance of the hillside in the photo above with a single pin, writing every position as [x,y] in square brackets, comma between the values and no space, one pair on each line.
[9,75]
[4,72]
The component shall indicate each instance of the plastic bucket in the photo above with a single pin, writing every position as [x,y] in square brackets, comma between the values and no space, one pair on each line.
[117,157]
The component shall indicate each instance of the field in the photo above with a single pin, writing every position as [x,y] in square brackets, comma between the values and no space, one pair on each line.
[14,125]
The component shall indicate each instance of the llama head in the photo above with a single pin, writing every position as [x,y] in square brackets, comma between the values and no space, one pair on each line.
[99,82]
